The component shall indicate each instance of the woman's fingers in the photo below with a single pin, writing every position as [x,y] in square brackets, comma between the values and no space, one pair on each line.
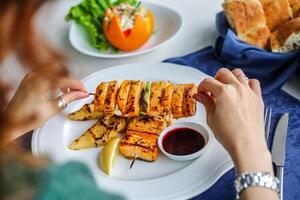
[207,101]
[225,76]
[69,98]
[73,96]
[240,76]
[255,86]
[210,85]
[72,84]
[65,89]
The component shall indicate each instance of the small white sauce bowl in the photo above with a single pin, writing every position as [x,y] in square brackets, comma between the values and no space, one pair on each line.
[197,127]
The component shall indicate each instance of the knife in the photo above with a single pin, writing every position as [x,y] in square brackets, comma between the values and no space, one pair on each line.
[278,148]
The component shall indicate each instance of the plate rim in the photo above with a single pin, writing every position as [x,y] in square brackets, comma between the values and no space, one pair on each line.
[187,194]
[135,53]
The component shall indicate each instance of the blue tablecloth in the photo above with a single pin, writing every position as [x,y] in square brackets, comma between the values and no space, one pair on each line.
[257,63]
[280,102]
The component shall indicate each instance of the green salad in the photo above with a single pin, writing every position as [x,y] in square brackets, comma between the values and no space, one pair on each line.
[90,14]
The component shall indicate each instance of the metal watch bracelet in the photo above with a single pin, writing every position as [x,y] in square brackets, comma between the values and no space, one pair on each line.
[256,179]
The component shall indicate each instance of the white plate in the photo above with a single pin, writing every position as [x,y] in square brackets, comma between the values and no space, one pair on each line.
[162,179]
[168,22]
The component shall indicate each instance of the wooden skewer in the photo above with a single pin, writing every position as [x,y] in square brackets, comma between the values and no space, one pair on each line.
[92,94]
[135,156]
[131,165]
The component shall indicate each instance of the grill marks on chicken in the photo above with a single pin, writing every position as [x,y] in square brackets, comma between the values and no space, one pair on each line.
[166,97]
[87,112]
[183,103]
[177,101]
[122,95]
[110,99]
[141,136]
[99,99]
[105,99]
[133,106]
[189,103]
[99,134]
[150,125]
[160,98]
[137,145]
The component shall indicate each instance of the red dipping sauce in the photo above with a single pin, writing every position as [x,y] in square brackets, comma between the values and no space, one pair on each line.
[183,141]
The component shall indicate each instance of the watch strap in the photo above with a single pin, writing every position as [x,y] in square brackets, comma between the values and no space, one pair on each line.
[256,179]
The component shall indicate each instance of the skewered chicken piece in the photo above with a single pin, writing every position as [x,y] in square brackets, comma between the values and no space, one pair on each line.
[123,94]
[141,136]
[160,98]
[189,103]
[139,145]
[183,103]
[105,99]
[177,101]
[152,125]
[129,98]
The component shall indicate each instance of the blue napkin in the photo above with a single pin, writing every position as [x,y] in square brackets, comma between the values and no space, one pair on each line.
[272,69]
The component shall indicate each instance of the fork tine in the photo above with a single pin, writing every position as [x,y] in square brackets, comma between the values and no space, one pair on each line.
[269,124]
[265,121]
[266,113]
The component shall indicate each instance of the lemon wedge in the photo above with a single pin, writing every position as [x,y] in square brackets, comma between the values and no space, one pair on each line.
[109,155]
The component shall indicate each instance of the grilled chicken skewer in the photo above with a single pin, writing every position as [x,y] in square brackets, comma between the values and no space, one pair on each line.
[133,98]
[158,102]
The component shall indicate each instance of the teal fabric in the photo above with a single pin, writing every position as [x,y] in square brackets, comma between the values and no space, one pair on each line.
[16,177]
[72,181]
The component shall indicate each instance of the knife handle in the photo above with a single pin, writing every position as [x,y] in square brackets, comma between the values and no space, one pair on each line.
[279,175]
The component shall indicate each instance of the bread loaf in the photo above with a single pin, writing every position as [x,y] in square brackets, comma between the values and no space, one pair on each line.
[276,12]
[295,5]
[287,37]
[248,20]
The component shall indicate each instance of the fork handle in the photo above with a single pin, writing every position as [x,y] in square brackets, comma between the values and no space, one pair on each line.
[279,175]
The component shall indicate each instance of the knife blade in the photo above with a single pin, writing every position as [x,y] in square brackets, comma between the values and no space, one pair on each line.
[278,148]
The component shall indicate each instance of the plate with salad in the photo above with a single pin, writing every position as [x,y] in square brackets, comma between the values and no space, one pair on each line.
[122,28]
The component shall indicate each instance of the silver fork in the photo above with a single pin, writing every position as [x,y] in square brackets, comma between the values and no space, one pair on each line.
[268,118]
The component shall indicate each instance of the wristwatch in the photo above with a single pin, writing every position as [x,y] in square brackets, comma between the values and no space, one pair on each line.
[257,179]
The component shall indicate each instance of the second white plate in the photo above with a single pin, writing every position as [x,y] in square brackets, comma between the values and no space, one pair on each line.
[162,179]
[168,23]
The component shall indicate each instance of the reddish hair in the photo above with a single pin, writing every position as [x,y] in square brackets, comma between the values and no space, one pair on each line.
[18,36]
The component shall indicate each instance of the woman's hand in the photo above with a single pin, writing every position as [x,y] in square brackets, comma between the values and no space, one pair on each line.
[235,113]
[32,104]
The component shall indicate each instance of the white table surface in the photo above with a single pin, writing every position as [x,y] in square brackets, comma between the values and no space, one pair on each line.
[198,32]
